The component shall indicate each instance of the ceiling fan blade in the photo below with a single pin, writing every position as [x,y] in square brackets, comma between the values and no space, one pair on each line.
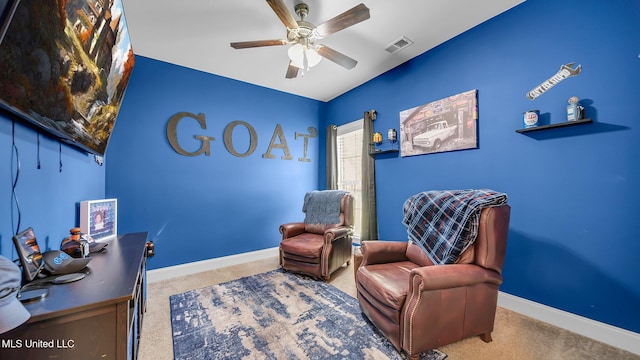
[256,43]
[292,71]
[283,13]
[336,56]
[348,18]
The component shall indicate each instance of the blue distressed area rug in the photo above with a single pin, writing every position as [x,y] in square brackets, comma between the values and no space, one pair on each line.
[275,315]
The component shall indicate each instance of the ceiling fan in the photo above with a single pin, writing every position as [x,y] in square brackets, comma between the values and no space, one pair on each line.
[302,35]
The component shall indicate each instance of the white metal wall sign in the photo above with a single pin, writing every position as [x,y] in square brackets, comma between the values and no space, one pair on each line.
[565,71]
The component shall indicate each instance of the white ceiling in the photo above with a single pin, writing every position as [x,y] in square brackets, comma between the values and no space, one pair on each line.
[196,34]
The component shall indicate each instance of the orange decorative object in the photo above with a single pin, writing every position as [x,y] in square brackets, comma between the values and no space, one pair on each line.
[73,246]
[377,137]
[75,234]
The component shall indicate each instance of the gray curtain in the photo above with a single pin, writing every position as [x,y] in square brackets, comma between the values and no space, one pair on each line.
[332,157]
[369,214]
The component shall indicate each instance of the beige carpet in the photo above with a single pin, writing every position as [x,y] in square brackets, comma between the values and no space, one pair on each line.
[515,336]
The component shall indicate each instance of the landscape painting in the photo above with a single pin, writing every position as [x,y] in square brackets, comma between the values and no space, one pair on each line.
[444,125]
[64,67]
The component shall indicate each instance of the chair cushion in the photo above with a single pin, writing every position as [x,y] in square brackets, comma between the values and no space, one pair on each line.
[306,245]
[321,228]
[417,255]
[387,283]
[467,256]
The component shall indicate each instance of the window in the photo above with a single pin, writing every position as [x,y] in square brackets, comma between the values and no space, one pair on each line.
[349,144]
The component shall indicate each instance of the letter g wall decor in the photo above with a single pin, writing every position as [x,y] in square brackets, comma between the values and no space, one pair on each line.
[205,141]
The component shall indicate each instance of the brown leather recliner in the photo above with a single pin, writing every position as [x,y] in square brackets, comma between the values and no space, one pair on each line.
[419,306]
[318,249]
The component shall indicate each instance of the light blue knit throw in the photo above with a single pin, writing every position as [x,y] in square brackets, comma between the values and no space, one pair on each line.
[322,207]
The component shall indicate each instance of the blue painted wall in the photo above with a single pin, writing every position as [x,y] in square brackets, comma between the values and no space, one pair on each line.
[574,191]
[203,207]
[48,198]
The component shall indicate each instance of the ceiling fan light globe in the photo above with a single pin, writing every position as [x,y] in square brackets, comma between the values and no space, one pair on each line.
[297,54]
[313,58]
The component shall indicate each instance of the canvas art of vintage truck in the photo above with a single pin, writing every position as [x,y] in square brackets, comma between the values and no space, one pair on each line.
[448,124]
[435,135]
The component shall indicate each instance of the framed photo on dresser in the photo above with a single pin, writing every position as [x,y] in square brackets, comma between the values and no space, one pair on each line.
[99,218]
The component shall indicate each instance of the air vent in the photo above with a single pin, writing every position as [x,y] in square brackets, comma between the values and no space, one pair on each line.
[398,44]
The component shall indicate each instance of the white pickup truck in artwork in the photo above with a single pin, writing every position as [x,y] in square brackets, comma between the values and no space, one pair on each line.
[435,135]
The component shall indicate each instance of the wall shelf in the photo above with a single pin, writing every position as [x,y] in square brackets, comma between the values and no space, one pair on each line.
[552,126]
[384,147]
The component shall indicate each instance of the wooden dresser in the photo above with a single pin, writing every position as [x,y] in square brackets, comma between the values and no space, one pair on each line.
[98,317]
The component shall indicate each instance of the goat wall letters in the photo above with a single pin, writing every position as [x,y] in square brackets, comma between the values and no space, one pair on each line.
[205,141]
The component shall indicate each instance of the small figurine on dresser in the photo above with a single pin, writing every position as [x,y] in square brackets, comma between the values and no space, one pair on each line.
[74,245]
[575,111]
[80,245]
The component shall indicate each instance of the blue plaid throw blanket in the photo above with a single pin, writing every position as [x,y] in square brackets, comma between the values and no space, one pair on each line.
[445,223]
[322,207]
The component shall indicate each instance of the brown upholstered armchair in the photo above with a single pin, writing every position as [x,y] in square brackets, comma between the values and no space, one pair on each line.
[419,306]
[318,249]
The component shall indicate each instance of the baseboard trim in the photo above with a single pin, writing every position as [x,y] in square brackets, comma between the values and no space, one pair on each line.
[611,335]
[170,272]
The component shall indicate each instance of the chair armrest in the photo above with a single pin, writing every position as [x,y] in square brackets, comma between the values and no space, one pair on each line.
[382,252]
[291,229]
[438,277]
[335,233]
